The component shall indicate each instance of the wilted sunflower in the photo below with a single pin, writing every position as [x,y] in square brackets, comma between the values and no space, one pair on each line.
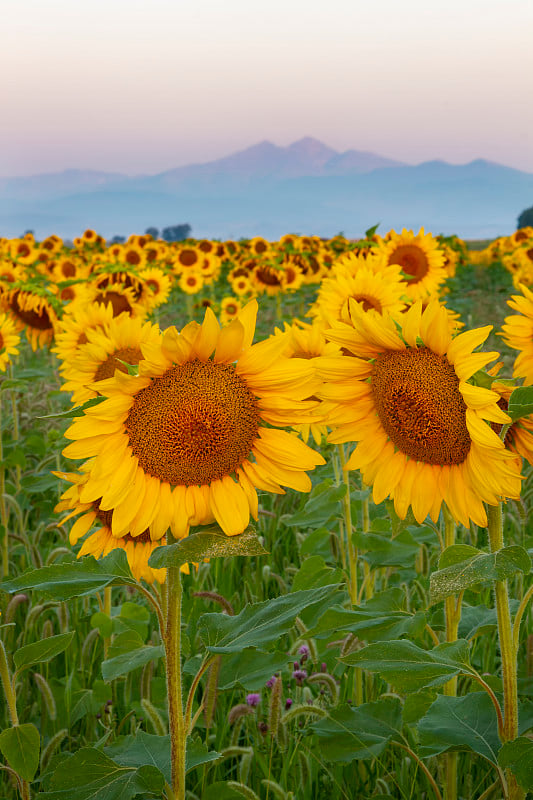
[9,339]
[420,258]
[517,332]
[106,349]
[420,426]
[102,541]
[184,442]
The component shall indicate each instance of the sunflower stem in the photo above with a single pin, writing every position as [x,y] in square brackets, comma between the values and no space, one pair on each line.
[508,650]
[107,610]
[176,717]
[3,510]
[452,612]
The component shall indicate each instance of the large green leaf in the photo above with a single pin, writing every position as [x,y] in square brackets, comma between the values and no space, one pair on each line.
[132,659]
[459,723]
[521,402]
[380,619]
[45,650]
[250,669]
[322,506]
[478,568]
[409,667]
[91,775]
[260,624]
[208,544]
[518,757]
[20,747]
[384,551]
[145,749]
[74,578]
[315,572]
[358,733]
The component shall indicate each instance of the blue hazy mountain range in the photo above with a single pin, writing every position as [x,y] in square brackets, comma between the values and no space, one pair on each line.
[267,190]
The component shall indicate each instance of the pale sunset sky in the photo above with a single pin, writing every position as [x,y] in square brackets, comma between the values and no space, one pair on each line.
[139,87]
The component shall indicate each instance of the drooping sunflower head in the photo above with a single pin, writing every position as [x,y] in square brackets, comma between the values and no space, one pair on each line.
[422,430]
[185,442]
[34,312]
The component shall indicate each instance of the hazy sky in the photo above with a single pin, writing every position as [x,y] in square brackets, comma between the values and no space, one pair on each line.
[139,87]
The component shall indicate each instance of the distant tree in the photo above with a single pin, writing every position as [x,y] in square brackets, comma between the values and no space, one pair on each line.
[525,219]
[153,232]
[176,233]
[118,240]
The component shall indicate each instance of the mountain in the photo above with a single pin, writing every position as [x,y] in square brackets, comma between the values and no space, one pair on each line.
[268,190]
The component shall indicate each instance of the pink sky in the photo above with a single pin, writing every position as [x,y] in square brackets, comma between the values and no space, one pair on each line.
[140,87]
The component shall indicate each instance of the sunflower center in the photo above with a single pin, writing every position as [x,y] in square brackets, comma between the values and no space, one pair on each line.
[131,355]
[417,397]
[1,341]
[119,302]
[194,424]
[412,260]
[368,302]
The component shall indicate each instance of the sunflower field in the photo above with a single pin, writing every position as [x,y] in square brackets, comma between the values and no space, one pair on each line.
[265,518]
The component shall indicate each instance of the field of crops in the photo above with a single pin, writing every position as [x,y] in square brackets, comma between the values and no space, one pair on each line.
[265,518]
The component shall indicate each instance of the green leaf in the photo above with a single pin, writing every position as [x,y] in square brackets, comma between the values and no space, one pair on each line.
[315,572]
[250,669]
[460,723]
[146,749]
[416,705]
[456,554]
[261,623]
[371,231]
[20,746]
[45,650]
[322,506]
[479,568]
[77,411]
[74,578]
[383,551]
[103,622]
[126,662]
[198,546]
[518,757]
[378,620]
[521,403]
[91,775]
[358,733]
[409,667]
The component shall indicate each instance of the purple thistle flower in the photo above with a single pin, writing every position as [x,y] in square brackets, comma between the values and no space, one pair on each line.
[299,676]
[253,699]
[304,653]
[288,703]
[270,682]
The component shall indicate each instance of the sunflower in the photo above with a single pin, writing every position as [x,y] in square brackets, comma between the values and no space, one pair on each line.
[120,340]
[122,299]
[308,341]
[184,441]
[241,286]
[258,246]
[421,260]
[159,284]
[375,291]
[9,339]
[517,332]
[133,256]
[72,330]
[102,541]
[419,425]
[267,278]
[187,258]
[519,435]
[230,308]
[291,274]
[191,282]
[22,251]
[33,312]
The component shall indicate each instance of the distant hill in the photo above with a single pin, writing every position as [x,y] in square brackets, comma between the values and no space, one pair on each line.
[268,190]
